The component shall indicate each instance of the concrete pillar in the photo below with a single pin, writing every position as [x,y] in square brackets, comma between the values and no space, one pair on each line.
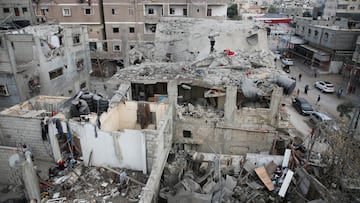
[275,104]
[229,115]
[125,46]
[172,95]
[230,103]
[13,65]
[30,178]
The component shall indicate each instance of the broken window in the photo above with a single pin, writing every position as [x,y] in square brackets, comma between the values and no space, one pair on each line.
[116,47]
[131,29]
[172,11]
[66,12]
[93,46]
[56,73]
[151,11]
[326,36]
[131,11]
[116,30]
[104,46]
[4,90]
[79,64]
[6,10]
[187,133]
[150,28]
[76,39]
[184,12]
[114,11]
[88,11]
[17,12]
[209,12]
[24,9]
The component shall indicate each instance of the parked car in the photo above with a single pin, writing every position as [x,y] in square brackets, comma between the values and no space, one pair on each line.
[325,86]
[287,61]
[277,54]
[318,117]
[302,106]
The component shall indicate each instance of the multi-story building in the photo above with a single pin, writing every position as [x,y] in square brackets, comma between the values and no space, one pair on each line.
[329,45]
[15,10]
[112,22]
[342,8]
[48,60]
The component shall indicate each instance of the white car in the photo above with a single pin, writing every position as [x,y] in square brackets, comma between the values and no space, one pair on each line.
[287,61]
[325,86]
[318,117]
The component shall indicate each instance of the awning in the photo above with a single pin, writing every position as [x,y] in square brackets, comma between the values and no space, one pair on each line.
[318,54]
[315,50]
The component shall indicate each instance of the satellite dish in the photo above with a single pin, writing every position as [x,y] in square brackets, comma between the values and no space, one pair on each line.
[14,161]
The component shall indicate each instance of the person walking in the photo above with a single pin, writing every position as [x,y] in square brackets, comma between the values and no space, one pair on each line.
[298,92]
[306,89]
[300,75]
[318,101]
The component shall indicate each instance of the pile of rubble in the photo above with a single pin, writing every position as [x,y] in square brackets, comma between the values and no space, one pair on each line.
[191,176]
[73,182]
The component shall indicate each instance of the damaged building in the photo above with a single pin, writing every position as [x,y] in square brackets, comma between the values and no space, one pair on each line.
[43,60]
[202,124]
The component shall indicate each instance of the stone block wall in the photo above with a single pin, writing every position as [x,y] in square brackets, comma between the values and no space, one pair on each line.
[151,146]
[8,175]
[18,130]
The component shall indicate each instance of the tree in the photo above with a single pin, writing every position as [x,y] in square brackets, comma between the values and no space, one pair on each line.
[232,11]
[272,9]
[345,109]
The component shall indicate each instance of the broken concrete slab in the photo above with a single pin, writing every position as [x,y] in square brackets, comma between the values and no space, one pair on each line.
[286,183]
[261,172]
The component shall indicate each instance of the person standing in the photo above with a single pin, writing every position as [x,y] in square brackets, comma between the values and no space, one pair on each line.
[300,75]
[306,89]
[318,100]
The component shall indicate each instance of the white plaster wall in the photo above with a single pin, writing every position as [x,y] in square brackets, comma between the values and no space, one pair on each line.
[178,10]
[117,149]
[218,10]
[124,116]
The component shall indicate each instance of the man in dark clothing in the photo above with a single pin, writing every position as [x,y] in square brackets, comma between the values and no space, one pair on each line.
[300,75]
[318,100]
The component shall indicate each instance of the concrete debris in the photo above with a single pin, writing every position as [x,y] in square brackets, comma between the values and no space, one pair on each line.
[182,182]
[91,184]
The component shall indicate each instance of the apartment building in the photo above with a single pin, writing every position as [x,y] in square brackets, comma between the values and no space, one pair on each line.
[49,60]
[343,8]
[329,44]
[111,22]
[15,10]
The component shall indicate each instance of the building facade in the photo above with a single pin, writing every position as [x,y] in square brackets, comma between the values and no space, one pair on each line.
[48,60]
[329,44]
[111,22]
[334,8]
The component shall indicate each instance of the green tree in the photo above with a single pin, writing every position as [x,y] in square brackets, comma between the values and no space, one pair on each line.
[272,9]
[345,109]
[232,11]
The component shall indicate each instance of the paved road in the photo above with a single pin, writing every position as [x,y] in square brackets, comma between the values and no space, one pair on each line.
[328,102]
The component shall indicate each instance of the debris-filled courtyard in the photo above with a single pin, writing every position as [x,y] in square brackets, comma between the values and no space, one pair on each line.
[200,120]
